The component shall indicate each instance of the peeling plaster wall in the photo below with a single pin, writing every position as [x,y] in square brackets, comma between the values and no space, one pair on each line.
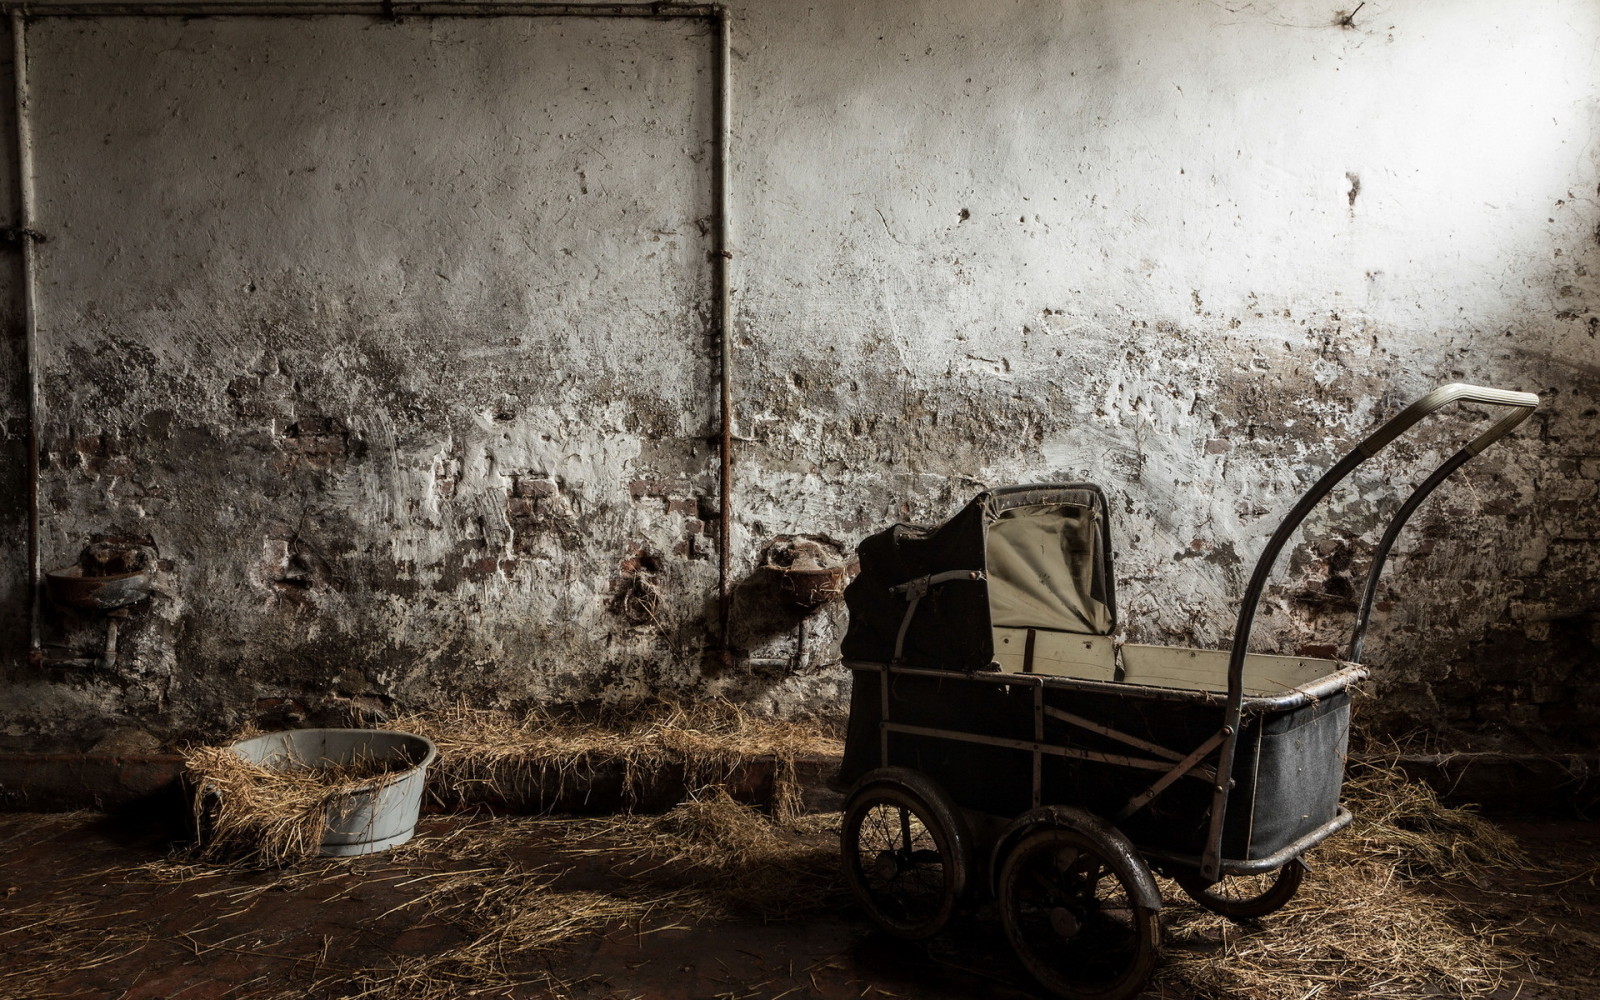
[395,340]
[391,340]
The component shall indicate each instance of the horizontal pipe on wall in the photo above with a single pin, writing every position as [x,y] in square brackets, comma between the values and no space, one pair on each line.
[322,8]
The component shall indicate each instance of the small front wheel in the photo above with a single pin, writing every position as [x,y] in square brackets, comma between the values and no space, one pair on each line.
[1244,897]
[904,857]
[1072,909]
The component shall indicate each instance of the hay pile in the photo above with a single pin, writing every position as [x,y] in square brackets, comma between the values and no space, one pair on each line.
[1375,919]
[735,861]
[254,814]
[1402,823]
[706,861]
[539,761]
[250,814]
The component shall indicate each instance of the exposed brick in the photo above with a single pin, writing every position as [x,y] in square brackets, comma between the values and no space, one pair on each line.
[519,507]
[282,710]
[275,555]
[535,488]
[650,488]
[638,560]
[688,507]
[118,465]
[310,427]
[1320,650]
[1499,709]
[1567,713]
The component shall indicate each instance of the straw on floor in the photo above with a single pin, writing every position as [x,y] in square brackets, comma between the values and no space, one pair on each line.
[1376,919]
[533,760]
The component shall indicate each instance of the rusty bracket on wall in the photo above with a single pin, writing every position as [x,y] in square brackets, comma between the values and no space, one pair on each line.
[392,10]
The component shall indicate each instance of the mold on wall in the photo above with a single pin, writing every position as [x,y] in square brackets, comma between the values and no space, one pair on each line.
[395,340]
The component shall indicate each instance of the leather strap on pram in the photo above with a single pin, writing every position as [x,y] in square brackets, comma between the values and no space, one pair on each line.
[915,590]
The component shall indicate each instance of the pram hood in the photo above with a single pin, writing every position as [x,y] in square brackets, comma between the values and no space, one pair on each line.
[1045,555]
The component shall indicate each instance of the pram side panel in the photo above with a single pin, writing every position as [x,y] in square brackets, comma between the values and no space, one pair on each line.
[1287,772]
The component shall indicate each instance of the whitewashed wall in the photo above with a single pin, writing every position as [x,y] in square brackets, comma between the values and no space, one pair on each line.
[393,338]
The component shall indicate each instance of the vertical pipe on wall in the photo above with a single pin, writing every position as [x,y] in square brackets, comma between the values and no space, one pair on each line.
[721,259]
[30,359]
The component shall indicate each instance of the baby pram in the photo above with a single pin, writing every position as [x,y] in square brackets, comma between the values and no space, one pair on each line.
[1002,744]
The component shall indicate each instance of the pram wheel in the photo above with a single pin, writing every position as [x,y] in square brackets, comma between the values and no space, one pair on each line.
[1243,897]
[1070,903]
[905,852]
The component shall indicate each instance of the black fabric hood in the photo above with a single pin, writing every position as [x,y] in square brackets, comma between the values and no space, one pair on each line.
[952,628]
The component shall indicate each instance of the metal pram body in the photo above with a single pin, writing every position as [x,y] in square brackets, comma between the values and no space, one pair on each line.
[1002,743]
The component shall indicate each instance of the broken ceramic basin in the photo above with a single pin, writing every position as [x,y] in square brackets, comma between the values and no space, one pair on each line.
[71,588]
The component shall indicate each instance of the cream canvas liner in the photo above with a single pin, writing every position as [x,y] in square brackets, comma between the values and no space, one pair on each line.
[1041,569]
[1094,658]
[1060,654]
[1042,560]
[1207,669]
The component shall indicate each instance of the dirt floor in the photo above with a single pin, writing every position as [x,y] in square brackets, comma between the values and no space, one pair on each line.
[92,908]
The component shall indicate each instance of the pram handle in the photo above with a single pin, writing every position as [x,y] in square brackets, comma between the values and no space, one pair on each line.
[1522,404]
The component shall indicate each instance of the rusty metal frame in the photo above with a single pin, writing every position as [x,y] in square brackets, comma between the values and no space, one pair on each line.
[1255,866]
[1188,765]
[1171,763]
[721,255]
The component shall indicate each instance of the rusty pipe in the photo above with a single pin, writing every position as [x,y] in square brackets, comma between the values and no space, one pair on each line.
[722,258]
[27,236]
[397,9]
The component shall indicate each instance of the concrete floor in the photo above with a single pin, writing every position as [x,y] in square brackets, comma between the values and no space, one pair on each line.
[89,911]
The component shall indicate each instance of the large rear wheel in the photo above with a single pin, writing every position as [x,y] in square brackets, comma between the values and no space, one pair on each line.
[905,856]
[1244,897]
[1072,904]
